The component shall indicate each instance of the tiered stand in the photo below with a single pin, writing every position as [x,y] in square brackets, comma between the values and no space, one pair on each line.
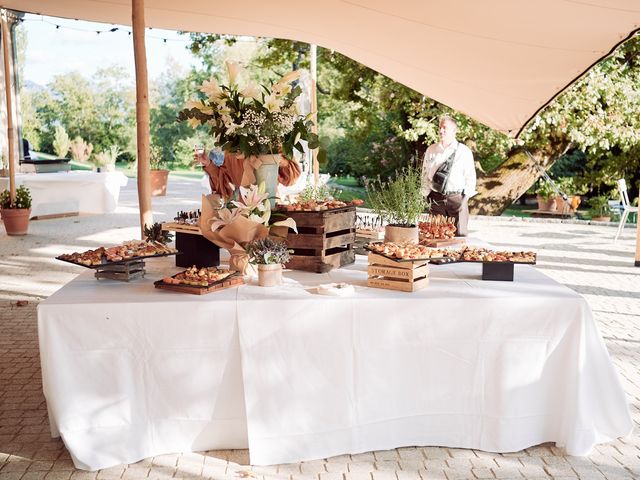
[193,247]
[324,240]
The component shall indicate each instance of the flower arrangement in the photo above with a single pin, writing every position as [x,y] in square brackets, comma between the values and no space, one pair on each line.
[252,119]
[233,224]
[23,199]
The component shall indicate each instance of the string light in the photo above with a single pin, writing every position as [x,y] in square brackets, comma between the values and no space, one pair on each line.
[109,30]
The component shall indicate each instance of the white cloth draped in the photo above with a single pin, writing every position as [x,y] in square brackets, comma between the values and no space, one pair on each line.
[71,192]
[130,372]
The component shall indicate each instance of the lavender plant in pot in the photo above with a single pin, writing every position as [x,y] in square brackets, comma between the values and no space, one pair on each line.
[269,255]
[15,213]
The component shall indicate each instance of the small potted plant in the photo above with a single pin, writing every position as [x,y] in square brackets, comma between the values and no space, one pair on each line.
[570,188]
[155,233]
[159,175]
[600,210]
[16,214]
[399,202]
[269,255]
[546,196]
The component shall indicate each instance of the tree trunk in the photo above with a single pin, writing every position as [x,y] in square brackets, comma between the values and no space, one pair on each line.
[501,187]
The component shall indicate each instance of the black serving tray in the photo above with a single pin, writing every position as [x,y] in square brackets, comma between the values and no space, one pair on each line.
[119,262]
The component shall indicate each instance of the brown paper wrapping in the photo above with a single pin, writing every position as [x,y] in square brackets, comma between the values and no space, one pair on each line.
[233,236]
[240,171]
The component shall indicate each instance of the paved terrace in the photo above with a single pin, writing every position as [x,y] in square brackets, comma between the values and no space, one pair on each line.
[580,256]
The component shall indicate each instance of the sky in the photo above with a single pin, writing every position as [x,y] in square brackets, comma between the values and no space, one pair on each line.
[75,45]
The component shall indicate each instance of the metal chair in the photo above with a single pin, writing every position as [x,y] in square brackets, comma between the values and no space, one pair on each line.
[627,208]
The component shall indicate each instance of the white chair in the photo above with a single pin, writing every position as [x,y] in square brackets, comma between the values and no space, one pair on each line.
[627,208]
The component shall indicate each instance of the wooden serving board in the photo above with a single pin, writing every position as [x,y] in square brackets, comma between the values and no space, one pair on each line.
[181,227]
[442,242]
[233,281]
[370,234]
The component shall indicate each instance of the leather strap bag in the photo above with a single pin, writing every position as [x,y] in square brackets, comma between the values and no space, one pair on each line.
[441,177]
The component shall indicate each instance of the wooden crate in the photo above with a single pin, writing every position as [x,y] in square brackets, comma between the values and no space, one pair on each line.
[442,242]
[124,272]
[324,240]
[392,275]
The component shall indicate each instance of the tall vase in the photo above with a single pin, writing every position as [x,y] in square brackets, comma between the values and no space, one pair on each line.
[267,172]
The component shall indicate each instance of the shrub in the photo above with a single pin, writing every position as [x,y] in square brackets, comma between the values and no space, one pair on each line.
[81,150]
[61,142]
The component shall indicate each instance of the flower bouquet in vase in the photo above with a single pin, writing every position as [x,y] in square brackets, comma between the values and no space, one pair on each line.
[232,224]
[258,126]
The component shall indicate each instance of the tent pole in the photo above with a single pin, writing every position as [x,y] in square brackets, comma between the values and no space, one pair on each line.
[142,114]
[7,85]
[637,263]
[314,109]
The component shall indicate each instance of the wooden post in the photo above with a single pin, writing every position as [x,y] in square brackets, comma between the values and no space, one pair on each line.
[637,264]
[8,91]
[314,109]
[142,115]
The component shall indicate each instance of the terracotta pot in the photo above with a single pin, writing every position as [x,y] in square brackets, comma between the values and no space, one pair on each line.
[16,220]
[574,202]
[269,275]
[158,182]
[546,205]
[399,234]
[560,204]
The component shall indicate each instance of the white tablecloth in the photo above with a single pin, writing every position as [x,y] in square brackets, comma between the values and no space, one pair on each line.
[71,192]
[130,372]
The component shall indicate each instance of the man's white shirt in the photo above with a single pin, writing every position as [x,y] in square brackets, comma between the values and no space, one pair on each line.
[463,171]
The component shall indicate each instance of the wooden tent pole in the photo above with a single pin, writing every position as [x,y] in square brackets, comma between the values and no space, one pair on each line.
[142,114]
[314,109]
[637,263]
[7,86]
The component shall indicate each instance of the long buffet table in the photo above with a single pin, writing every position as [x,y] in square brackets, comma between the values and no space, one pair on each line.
[71,192]
[130,372]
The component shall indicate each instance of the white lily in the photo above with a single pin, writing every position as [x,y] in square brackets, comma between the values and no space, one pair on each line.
[297,139]
[281,89]
[251,91]
[211,88]
[193,122]
[290,77]
[233,70]
[272,103]
[195,103]
[225,217]
[289,222]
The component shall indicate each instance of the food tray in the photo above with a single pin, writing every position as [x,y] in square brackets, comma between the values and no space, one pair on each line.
[232,280]
[119,262]
[401,260]
[332,210]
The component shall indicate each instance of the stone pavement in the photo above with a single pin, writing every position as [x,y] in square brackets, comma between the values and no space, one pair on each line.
[580,256]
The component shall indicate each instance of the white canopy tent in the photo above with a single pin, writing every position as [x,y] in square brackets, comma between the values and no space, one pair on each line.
[498,61]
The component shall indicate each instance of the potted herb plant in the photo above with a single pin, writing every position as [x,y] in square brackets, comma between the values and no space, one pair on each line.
[600,210]
[16,214]
[569,187]
[399,203]
[546,196]
[269,255]
[159,175]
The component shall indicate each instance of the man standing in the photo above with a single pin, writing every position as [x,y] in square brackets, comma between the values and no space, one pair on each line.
[449,176]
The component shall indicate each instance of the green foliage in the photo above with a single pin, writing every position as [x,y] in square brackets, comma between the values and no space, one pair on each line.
[317,193]
[23,198]
[154,233]
[570,187]
[61,142]
[599,206]
[156,162]
[545,189]
[398,201]
[268,251]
